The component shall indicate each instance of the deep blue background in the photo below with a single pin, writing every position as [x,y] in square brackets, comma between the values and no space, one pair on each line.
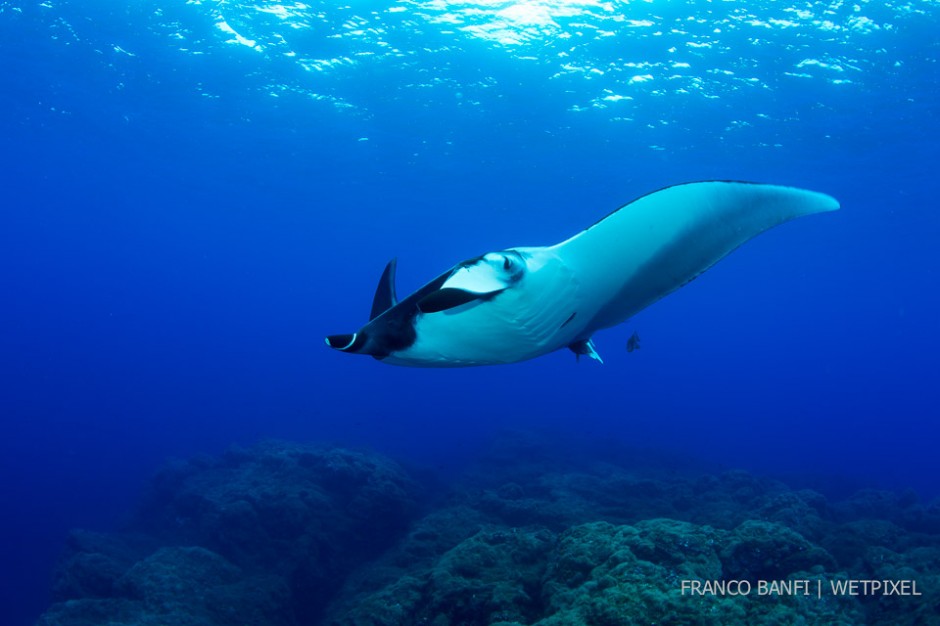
[178,231]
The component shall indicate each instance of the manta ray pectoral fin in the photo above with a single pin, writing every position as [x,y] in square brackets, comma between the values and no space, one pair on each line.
[449,298]
[385,298]
[585,346]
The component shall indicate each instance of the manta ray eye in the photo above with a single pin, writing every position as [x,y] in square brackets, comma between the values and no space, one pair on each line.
[513,266]
[507,266]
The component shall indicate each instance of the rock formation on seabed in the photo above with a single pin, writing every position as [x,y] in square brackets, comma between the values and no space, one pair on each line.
[291,535]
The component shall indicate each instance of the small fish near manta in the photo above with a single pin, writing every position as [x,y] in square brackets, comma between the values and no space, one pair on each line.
[521,303]
[633,343]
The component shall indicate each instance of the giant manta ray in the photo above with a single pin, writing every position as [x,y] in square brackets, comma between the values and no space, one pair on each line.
[521,303]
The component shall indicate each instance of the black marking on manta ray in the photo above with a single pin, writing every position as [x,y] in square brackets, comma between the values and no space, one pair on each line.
[570,317]
[399,334]
[399,321]
[693,182]
[468,262]
[446,299]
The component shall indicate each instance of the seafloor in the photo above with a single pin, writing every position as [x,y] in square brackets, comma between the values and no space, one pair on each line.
[293,535]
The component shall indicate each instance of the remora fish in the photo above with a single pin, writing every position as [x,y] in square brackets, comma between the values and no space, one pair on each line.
[521,303]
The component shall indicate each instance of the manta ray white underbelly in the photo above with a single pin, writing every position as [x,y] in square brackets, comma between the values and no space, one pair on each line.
[521,303]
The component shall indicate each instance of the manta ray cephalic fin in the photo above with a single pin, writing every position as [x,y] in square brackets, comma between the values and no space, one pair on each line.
[585,346]
[385,297]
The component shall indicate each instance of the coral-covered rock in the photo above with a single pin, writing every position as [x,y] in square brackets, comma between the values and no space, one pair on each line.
[299,516]
[193,581]
[607,575]
[93,563]
[272,503]
[804,511]
[181,587]
[767,551]
[592,574]
[495,576]
[287,535]
[850,542]
[307,514]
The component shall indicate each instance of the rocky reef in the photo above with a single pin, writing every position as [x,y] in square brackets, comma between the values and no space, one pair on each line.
[291,535]
[261,536]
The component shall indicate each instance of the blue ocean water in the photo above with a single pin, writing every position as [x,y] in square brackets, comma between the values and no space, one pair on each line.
[195,193]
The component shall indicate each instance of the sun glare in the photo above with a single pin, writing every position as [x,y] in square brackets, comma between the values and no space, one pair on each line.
[512,22]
